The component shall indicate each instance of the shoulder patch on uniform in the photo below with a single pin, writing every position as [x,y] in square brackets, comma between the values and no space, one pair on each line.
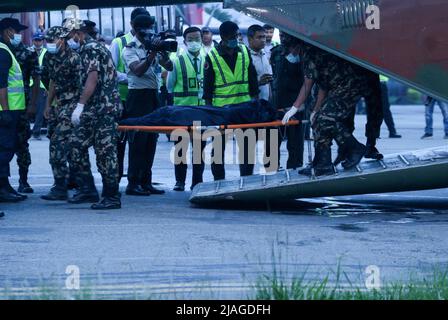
[206,65]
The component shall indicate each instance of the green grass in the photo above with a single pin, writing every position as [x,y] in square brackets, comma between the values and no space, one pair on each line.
[276,287]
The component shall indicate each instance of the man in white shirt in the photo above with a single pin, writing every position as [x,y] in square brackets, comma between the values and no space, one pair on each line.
[257,40]
[142,99]
[207,40]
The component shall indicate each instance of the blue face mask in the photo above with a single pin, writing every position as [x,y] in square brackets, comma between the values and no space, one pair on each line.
[52,48]
[232,43]
[73,44]
[15,41]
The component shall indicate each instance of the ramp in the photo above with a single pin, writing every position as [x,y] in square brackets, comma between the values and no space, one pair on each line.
[414,170]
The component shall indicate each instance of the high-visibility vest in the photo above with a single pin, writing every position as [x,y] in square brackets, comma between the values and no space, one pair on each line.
[16,89]
[230,87]
[41,60]
[188,87]
[122,42]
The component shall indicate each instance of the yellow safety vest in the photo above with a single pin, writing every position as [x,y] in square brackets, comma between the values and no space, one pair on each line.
[230,87]
[188,82]
[16,89]
[41,60]
[122,42]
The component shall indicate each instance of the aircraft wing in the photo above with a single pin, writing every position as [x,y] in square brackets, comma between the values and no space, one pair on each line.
[12,6]
[411,44]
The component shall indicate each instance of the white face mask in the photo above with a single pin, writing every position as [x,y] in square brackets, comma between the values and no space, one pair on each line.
[194,46]
[52,48]
[73,44]
[293,58]
[15,41]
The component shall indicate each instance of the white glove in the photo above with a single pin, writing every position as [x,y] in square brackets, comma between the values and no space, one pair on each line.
[76,115]
[288,115]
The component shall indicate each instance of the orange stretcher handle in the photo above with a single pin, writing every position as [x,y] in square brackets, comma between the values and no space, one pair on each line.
[168,129]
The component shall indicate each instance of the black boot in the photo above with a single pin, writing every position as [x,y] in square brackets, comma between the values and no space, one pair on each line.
[342,154]
[87,193]
[321,164]
[24,187]
[111,199]
[8,195]
[57,192]
[372,152]
[355,152]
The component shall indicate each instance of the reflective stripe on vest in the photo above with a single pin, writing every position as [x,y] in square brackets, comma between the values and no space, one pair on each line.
[16,89]
[122,42]
[230,87]
[41,61]
[188,84]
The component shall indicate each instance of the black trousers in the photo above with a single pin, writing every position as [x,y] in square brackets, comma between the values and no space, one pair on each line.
[121,148]
[142,145]
[8,141]
[388,119]
[180,170]
[295,145]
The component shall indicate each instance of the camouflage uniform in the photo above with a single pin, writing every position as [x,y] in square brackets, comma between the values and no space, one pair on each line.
[65,71]
[341,82]
[98,126]
[29,63]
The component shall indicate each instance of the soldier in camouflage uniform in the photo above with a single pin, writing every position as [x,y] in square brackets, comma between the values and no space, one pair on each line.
[339,90]
[29,63]
[64,70]
[95,119]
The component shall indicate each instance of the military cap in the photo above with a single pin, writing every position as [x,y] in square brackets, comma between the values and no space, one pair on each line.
[72,24]
[57,32]
[12,23]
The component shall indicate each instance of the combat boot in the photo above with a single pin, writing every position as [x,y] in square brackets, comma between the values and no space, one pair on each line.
[342,154]
[321,164]
[355,152]
[87,193]
[24,186]
[57,192]
[111,199]
[372,152]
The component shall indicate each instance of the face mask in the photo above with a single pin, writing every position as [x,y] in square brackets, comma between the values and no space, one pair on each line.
[73,44]
[194,46]
[15,41]
[52,48]
[232,44]
[292,58]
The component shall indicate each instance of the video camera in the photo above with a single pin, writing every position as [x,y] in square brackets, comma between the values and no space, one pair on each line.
[163,41]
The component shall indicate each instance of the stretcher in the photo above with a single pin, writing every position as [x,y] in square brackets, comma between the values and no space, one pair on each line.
[169,129]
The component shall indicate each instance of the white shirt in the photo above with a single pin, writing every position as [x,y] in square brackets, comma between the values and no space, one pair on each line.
[135,52]
[262,66]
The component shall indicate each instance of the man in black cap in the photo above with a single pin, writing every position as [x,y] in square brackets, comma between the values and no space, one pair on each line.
[142,99]
[29,64]
[12,103]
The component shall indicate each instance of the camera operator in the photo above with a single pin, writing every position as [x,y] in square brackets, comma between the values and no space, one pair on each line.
[141,57]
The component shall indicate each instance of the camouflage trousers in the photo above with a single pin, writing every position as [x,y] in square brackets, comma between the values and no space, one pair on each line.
[22,150]
[60,144]
[99,131]
[331,121]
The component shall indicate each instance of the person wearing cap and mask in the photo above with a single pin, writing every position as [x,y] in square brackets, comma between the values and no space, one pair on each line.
[287,81]
[12,105]
[29,63]
[64,69]
[207,41]
[142,99]
[38,47]
[95,121]
[185,83]
[116,49]
[229,78]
